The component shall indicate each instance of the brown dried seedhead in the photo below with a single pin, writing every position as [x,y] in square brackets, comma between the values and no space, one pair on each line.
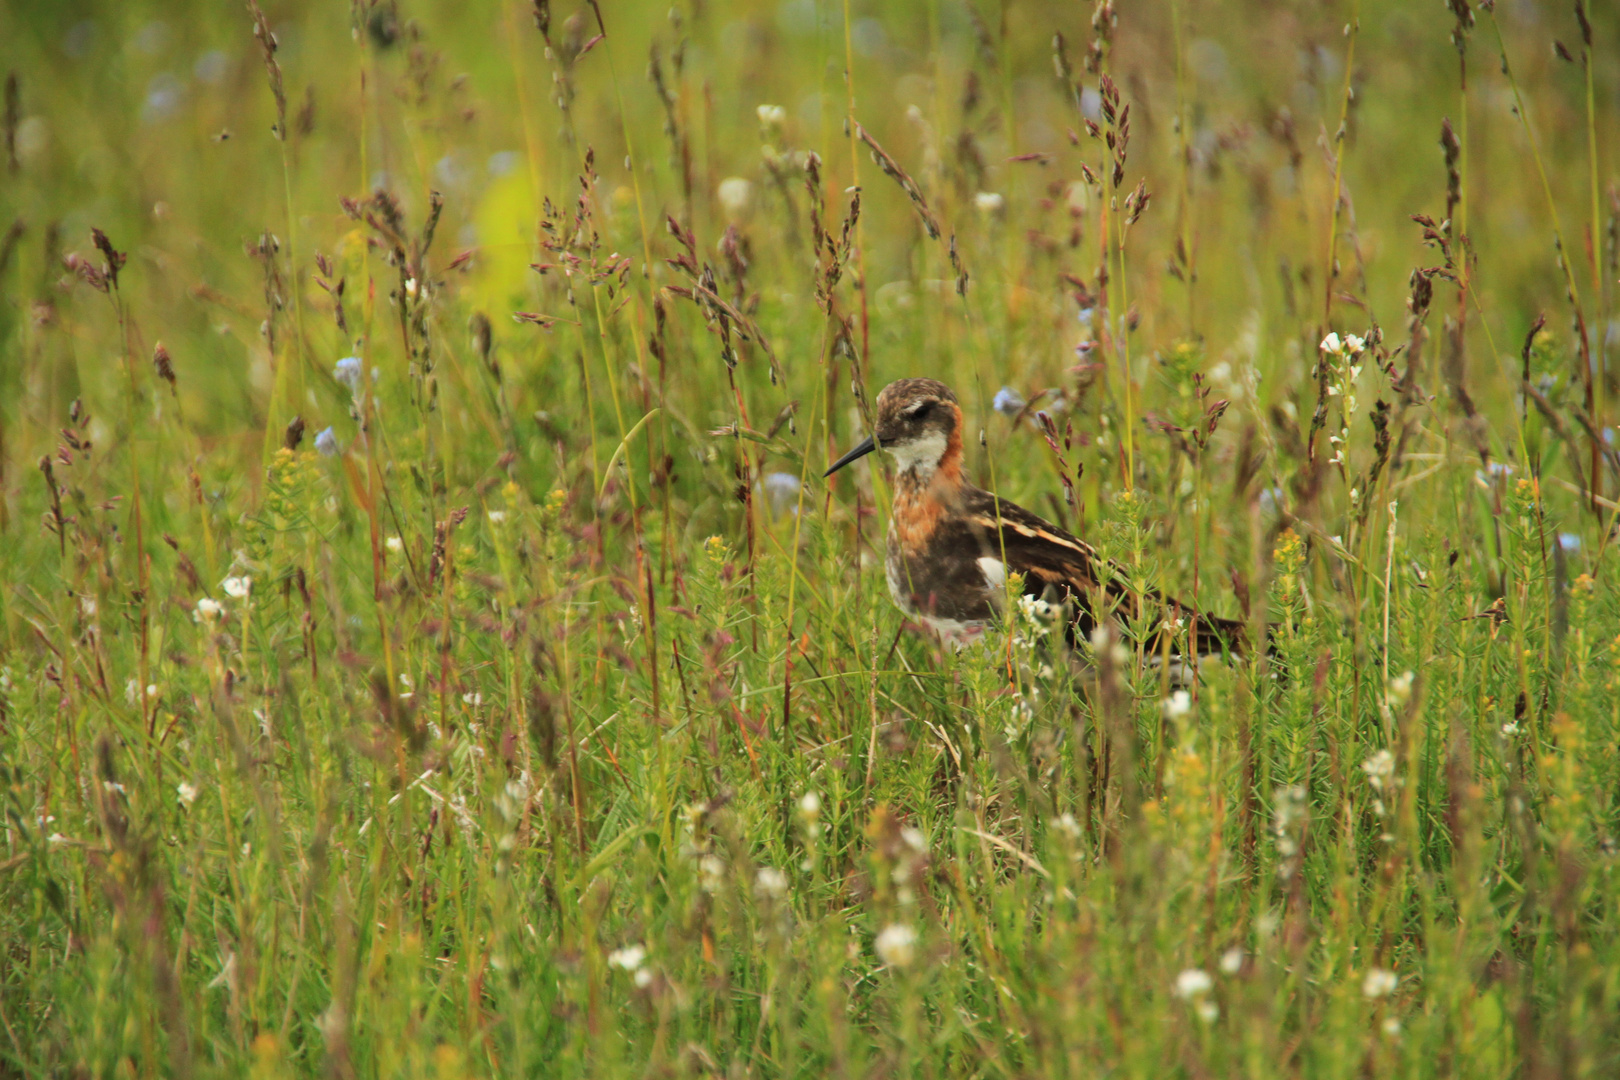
[164,367]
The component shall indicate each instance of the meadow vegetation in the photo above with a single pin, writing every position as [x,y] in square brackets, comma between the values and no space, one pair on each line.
[427,647]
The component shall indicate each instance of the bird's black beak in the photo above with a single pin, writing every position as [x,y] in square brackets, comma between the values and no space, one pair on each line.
[864,447]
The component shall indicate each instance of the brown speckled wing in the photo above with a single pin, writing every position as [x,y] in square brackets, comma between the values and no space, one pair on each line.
[1058,565]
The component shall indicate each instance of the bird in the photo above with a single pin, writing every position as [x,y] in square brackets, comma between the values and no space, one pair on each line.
[952,545]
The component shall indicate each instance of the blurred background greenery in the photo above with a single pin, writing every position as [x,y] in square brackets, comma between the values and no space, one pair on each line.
[441,658]
[152,122]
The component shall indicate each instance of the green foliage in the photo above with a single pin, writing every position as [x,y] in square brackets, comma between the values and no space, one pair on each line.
[546,714]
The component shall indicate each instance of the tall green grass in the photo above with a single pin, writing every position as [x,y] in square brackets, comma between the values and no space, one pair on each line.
[443,658]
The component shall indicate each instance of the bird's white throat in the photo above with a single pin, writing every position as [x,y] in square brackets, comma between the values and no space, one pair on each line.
[921,455]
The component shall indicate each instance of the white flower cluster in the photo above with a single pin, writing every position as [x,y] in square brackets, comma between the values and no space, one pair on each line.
[1379,982]
[1380,770]
[1105,641]
[770,883]
[1177,706]
[1036,615]
[1345,356]
[910,864]
[632,958]
[1194,985]
[1288,823]
[511,800]
[896,945]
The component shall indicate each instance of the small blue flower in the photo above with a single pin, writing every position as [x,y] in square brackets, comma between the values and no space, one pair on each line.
[1009,402]
[1569,542]
[326,442]
[164,96]
[212,67]
[782,491]
[347,372]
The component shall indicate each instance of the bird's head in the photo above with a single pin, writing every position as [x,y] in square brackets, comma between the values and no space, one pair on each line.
[919,422]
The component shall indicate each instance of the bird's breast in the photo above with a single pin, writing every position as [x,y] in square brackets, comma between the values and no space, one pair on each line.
[916,517]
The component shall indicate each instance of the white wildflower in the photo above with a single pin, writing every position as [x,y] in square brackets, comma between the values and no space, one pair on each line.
[1355,344]
[1332,344]
[1232,961]
[736,196]
[628,958]
[239,587]
[896,945]
[1290,814]
[1193,982]
[207,610]
[1379,768]
[1379,982]
[713,871]
[771,882]
[187,792]
[810,804]
[1177,705]
[1400,688]
[771,115]
[394,544]
[989,202]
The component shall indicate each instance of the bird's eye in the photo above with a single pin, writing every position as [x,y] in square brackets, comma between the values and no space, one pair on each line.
[917,411]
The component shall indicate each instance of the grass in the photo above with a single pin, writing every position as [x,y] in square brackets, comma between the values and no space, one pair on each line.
[513,698]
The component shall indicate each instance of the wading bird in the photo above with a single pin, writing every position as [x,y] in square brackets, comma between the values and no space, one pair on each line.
[952,545]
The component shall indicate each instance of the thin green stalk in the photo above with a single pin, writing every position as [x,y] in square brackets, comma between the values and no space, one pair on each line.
[142,570]
[1330,272]
[1558,237]
[1599,335]
[1184,212]
[1118,314]
[855,180]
